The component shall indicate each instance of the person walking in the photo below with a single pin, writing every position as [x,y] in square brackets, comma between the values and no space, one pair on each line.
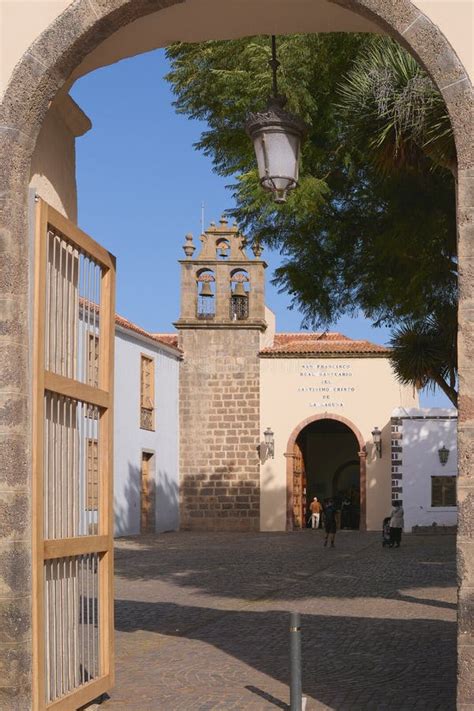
[396,524]
[315,508]
[346,513]
[330,522]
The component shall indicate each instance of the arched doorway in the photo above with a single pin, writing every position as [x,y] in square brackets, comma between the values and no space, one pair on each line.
[326,458]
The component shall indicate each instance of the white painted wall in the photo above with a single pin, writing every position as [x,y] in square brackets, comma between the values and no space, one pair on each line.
[421,441]
[130,440]
[285,402]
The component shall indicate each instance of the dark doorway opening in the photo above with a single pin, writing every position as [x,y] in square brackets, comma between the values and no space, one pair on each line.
[330,469]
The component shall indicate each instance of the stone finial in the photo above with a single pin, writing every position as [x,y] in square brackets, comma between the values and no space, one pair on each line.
[188,246]
[257,249]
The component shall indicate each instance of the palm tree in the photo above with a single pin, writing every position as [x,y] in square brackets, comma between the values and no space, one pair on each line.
[397,109]
[424,352]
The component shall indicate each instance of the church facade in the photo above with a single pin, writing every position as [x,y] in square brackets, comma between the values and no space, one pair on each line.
[269,420]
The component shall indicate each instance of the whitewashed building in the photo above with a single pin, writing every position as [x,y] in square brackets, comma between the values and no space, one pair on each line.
[424,465]
[146,410]
[146,446]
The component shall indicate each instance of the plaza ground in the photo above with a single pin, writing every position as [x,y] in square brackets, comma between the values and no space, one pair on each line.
[202,621]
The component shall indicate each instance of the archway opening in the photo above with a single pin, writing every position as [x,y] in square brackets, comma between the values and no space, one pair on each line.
[84,35]
[327,465]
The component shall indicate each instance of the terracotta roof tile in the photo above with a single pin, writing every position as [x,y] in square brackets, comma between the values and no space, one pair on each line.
[171,339]
[167,339]
[325,343]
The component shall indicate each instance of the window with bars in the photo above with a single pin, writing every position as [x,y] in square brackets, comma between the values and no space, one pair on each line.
[147,393]
[443,491]
[239,308]
[92,499]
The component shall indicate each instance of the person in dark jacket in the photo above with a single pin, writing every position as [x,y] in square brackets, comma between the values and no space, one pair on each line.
[330,522]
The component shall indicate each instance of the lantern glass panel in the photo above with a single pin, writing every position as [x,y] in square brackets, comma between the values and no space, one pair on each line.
[268,434]
[277,159]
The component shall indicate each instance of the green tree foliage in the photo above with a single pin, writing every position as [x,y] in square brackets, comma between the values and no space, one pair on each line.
[425,352]
[372,226]
[393,108]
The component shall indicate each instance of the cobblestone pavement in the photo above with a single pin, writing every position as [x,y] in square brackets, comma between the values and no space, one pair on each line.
[202,621]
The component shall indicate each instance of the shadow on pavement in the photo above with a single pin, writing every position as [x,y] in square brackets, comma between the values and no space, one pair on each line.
[347,661]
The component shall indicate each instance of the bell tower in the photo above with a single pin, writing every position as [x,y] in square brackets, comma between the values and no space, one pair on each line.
[220,325]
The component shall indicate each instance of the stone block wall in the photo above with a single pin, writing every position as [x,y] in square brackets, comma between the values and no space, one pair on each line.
[220,430]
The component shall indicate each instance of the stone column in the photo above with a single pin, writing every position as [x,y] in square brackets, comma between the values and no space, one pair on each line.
[465,539]
[15,454]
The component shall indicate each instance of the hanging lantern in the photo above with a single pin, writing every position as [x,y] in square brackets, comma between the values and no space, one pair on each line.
[277,136]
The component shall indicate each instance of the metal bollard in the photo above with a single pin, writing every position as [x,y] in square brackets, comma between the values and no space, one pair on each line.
[296,689]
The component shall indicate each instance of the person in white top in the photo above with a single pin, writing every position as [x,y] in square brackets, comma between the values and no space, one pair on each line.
[315,508]
[396,524]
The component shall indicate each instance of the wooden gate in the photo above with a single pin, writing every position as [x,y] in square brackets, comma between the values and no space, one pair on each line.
[299,488]
[72,465]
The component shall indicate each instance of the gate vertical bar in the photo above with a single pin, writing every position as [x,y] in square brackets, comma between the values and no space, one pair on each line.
[106,493]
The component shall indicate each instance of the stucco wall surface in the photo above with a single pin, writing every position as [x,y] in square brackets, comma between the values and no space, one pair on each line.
[53,168]
[284,406]
[130,440]
[21,21]
[421,441]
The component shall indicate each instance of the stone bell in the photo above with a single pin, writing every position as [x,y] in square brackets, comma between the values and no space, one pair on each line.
[239,290]
[222,249]
[206,289]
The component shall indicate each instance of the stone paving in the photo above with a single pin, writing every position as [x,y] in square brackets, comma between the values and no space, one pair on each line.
[202,621]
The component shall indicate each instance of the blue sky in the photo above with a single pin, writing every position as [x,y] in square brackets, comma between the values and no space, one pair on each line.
[141,185]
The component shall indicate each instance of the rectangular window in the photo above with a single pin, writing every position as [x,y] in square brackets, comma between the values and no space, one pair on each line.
[443,491]
[92,501]
[147,393]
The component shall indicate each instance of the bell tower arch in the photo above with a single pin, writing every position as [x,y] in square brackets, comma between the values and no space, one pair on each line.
[223,275]
[220,325]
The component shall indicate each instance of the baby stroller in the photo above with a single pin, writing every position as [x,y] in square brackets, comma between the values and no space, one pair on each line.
[386,532]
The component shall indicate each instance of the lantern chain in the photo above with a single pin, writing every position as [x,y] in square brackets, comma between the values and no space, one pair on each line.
[274,63]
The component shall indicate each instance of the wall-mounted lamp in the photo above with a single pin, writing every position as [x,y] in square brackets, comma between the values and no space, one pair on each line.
[443,454]
[377,439]
[267,447]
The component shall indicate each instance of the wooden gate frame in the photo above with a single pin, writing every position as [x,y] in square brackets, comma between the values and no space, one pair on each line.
[101,396]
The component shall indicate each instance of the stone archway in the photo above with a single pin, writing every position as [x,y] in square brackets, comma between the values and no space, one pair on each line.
[362,453]
[42,71]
